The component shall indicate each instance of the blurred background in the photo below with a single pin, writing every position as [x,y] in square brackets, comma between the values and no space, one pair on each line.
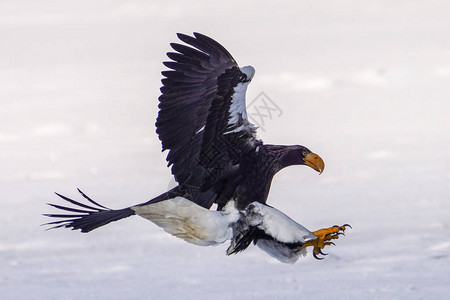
[365,84]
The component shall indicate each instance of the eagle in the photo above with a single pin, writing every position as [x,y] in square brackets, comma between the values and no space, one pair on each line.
[217,161]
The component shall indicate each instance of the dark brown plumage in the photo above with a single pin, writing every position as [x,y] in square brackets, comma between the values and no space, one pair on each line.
[214,156]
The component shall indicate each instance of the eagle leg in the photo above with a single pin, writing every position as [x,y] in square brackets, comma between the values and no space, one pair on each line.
[324,237]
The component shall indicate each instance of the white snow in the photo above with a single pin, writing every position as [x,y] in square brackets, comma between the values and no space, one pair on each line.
[368,91]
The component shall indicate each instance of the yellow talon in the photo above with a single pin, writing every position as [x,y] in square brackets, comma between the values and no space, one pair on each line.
[324,236]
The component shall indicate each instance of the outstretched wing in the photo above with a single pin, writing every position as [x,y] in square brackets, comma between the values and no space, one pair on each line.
[202,118]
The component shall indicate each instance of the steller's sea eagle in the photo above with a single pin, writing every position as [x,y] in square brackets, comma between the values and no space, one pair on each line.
[215,157]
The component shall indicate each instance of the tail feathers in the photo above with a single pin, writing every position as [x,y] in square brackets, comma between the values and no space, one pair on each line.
[86,217]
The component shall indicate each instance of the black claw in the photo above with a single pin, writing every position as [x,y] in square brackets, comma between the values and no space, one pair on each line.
[348,225]
[316,257]
[331,243]
[320,251]
[340,233]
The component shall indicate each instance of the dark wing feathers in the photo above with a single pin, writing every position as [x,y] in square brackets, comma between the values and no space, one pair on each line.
[195,104]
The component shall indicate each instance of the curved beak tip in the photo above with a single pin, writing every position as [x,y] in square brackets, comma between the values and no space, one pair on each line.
[315,161]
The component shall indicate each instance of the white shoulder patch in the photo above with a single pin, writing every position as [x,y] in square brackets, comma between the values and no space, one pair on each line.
[238,108]
[249,71]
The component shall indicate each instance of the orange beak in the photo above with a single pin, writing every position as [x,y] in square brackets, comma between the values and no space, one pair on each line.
[314,161]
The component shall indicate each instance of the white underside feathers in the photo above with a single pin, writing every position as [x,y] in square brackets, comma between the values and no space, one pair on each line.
[276,224]
[189,221]
[288,236]
[200,226]
[280,251]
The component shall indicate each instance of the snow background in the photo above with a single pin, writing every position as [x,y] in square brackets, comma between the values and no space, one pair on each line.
[365,84]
